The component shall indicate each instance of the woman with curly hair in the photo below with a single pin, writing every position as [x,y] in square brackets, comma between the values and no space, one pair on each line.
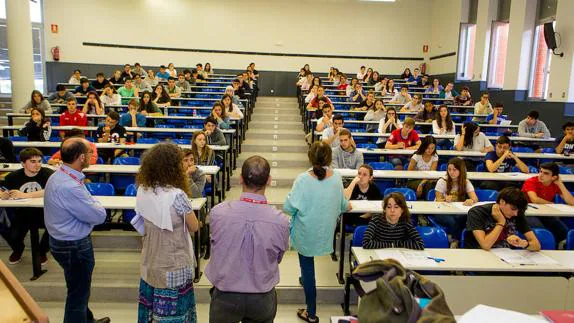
[165,218]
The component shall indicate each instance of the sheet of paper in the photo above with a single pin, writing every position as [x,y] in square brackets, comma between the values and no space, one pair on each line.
[512,175]
[465,208]
[483,313]
[418,258]
[505,122]
[537,258]
[523,257]
[563,208]
[383,254]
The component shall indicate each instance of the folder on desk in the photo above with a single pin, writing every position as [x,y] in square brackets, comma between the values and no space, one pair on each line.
[558,316]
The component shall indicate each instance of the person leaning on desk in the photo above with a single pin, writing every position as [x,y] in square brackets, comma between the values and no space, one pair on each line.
[497,225]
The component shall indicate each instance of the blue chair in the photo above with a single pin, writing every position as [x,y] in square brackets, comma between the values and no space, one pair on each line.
[481,168]
[18,138]
[121,182]
[358,235]
[431,195]
[548,150]
[128,215]
[566,170]
[148,140]
[101,189]
[382,166]
[45,159]
[570,240]
[522,150]
[443,167]
[384,185]
[547,241]
[366,146]
[409,194]
[182,141]
[531,169]
[100,161]
[433,237]
[55,139]
[127,161]
[486,195]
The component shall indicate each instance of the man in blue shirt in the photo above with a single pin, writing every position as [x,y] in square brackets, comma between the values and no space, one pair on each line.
[70,213]
[496,118]
[162,75]
[502,160]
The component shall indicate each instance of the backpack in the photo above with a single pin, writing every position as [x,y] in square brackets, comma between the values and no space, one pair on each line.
[391,293]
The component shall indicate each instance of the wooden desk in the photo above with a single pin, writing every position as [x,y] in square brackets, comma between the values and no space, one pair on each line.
[17,304]
[108,202]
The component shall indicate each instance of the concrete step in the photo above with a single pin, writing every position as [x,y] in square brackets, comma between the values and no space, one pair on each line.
[275,134]
[270,145]
[281,177]
[278,159]
[275,110]
[275,117]
[275,99]
[278,125]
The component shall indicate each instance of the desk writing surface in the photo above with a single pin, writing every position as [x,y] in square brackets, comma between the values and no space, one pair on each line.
[454,153]
[482,176]
[117,169]
[12,310]
[106,145]
[108,202]
[475,260]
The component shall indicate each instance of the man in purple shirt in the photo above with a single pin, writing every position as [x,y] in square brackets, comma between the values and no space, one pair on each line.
[248,240]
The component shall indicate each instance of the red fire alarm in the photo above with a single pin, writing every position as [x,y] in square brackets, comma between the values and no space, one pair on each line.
[54,28]
[425,48]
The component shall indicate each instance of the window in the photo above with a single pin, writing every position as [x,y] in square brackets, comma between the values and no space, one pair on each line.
[37,41]
[540,70]
[466,51]
[498,46]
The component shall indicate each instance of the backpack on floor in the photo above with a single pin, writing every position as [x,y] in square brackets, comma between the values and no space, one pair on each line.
[391,293]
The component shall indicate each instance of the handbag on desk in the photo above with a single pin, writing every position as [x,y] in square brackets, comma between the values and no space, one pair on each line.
[391,293]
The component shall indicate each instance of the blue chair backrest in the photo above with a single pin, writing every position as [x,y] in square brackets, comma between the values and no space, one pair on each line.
[55,139]
[559,200]
[566,170]
[548,150]
[531,169]
[148,140]
[131,190]
[547,241]
[101,189]
[45,159]
[570,240]
[431,195]
[181,141]
[442,167]
[486,195]
[100,161]
[409,194]
[358,236]
[433,237]
[366,146]
[18,138]
[522,150]
[382,166]
[480,168]
[127,161]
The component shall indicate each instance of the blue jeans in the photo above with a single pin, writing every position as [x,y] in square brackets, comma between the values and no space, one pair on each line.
[77,260]
[307,265]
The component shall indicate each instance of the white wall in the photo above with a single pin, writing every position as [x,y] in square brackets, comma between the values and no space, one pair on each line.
[339,27]
[445,27]
[561,82]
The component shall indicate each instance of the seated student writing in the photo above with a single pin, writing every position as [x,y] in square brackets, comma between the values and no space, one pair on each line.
[424,159]
[403,138]
[542,189]
[496,225]
[346,154]
[502,160]
[565,144]
[56,158]
[393,228]
[455,187]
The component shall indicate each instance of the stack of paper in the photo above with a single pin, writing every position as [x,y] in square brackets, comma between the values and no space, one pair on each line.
[523,257]
[483,313]
[407,258]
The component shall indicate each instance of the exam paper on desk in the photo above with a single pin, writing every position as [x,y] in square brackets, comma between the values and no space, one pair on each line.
[523,257]
[483,313]
[407,258]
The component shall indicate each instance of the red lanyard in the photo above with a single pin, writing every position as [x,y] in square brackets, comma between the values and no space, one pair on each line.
[74,177]
[248,200]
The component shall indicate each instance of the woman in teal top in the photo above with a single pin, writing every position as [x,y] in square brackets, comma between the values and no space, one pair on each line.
[315,203]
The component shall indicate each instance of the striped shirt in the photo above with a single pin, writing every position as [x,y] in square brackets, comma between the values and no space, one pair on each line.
[382,234]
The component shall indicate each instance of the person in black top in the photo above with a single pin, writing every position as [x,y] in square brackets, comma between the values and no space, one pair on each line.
[28,182]
[111,132]
[393,228]
[38,128]
[496,225]
[6,151]
[565,144]
[84,87]
[127,73]
[117,78]
[362,187]
[237,89]
[100,81]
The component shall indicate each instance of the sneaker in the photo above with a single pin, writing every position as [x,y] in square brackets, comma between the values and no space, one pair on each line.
[15,258]
[43,260]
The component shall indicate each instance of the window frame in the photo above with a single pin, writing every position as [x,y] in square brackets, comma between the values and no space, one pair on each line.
[465,68]
[534,59]
[493,55]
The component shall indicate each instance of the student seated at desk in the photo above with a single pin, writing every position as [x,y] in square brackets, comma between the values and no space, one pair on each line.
[172,90]
[38,128]
[83,88]
[127,72]
[427,114]
[532,127]
[93,104]
[331,134]
[496,117]
[502,160]
[305,82]
[362,186]
[393,228]
[346,154]
[402,97]
[358,94]
[56,158]
[151,79]
[196,176]
[351,87]
[37,100]
[100,81]
[381,86]
[127,91]
[565,144]
[27,182]
[173,72]
[6,151]
[111,132]
[449,93]
[75,78]
[214,135]
[312,93]
[220,114]
[314,103]
[376,113]
[472,139]
[202,154]
[391,90]
[542,189]
[497,225]
[482,107]
[388,124]
[414,105]
[133,118]
[326,120]
[464,98]
[109,96]
[415,78]
[406,74]
[424,82]
[443,125]
[455,187]
[367,103]
[162,75]
[61,95]
[182,83]
[117,77]
[369,76]
[72,117]
[362,72]
[160,96]
[435,88]
[425,158]
[230,108]
[140,84]
[403,138]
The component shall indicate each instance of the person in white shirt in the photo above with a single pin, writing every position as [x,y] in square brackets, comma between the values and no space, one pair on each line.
[482,107]
[388,124]
[109,96]
[472,139]
[414,105]
[443,125]
[402,97]
[326,120]
[75,78]
[362,72]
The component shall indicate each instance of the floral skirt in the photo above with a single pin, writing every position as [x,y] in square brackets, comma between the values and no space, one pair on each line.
[166,305]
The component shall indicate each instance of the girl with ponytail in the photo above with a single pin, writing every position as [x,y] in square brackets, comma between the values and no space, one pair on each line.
[315,202]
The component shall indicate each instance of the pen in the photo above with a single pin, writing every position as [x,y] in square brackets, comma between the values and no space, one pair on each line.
[532,206]
[436,259]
